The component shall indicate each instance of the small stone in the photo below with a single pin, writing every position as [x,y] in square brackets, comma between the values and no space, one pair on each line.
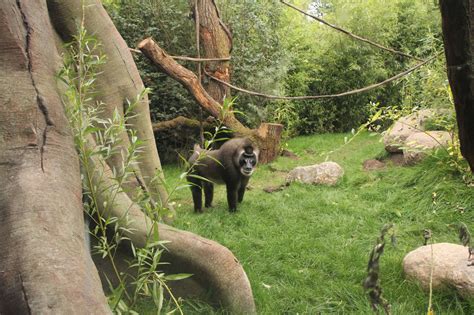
[289,154]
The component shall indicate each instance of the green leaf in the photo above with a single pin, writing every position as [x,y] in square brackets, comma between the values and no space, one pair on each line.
[156,234]
[178,276]
[157,294]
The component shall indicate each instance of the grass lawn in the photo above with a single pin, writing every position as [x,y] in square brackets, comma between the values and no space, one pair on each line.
[305,249]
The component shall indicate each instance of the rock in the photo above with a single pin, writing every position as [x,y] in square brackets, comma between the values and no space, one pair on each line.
[327,173]
[371,165]
[395,137]
[396,159]
[450,267]
[418,143]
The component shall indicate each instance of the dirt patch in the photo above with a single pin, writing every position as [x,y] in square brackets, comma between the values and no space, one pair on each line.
[372,165]
[289,154]
[396,159]
[272,189]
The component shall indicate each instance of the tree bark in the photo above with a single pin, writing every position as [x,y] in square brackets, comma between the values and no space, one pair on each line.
[119,82]
[458,36]
[216,41]
[269,144]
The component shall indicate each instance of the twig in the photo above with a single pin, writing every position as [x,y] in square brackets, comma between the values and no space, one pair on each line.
[357,37]
[430,299]
[308,97]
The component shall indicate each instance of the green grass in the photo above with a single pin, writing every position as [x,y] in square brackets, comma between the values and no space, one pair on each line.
[305,249]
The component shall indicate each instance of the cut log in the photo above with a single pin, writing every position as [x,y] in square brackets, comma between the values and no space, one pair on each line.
[269,143]
[181,122]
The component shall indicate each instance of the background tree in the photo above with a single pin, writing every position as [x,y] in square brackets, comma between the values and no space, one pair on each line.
[458,44]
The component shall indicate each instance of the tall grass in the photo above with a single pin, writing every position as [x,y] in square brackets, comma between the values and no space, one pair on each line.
[306,248]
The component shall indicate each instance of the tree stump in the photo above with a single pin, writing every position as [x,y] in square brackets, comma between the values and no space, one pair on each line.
[268,139]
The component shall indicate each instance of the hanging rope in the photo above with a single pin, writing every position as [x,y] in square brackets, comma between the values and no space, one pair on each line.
[309,97]
[359,38]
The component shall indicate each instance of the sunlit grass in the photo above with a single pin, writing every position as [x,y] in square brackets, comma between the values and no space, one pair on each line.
[305,248]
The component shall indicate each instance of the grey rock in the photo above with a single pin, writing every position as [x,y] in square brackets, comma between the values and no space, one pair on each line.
[395,137]
[417,144]
[451,267]
[327,173]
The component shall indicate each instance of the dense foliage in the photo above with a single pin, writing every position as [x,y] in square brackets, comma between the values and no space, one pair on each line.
[326,61]
[277,50]
[169,23]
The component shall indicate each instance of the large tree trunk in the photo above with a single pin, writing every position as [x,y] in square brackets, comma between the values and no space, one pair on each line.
[458,35]
[119,82]
[45,266]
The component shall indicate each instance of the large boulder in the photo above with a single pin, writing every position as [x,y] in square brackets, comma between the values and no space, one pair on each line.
[417,144]
[395,137]
[451,267]
[327,173]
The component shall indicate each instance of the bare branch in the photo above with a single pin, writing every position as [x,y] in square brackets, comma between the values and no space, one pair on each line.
[190,81]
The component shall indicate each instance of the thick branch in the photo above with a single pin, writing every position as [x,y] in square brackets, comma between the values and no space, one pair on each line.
[179,122]
[190,81]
